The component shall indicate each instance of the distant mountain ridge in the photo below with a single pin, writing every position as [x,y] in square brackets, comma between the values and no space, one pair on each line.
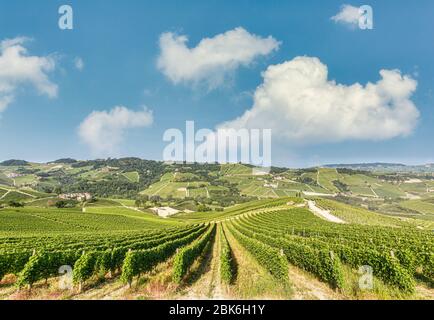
[14,162]
[384,166]
[368,166]
[209,184]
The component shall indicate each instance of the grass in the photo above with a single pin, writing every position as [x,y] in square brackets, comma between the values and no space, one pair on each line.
[24,180]
[418,188]
[388,191]
[103,203]
[125,202]
[235,169]
[358,215]
[2,192]
[197,217]
[132,176]
[379,290]
[326,178]
[5,180]
[166,188]
[41,202]
[260,187]
[424,207]
[16,196]
[130,213]
[112,216]
[252,280]
[32,220]
[185,176]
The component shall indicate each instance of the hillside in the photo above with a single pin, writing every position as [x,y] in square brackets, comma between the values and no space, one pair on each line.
[385,167]
[139,229]
[213,186]
[261,249]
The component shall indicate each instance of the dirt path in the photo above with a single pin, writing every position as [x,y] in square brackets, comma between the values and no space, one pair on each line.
[317,181]
[307,287]
[424,292]
[323,213]
[252,280]
[161,188]
[18,191]
[218,291]
[5,194]
[25,193]
[319,194]
[208,286]
[111,289]
[131,208]
[374,193]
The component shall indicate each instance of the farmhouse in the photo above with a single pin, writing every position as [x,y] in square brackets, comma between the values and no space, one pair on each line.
[76,196]
[108,169]
[271,185]
[13,175]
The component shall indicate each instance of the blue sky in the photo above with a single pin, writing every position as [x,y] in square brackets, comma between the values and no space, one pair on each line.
[118,42]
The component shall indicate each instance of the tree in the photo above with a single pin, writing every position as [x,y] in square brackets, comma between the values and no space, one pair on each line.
[61,204]
[15,204]
[58,190]
[203,208]
[155,198]
[138,202]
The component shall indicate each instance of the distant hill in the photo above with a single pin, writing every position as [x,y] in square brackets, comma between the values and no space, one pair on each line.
[65,160]
[14,162]
[384,167]
[215,184]
[365,165]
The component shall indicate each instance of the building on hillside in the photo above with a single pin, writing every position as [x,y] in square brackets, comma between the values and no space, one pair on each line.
[270,185]
[13,175]
[108,169]
[83,196]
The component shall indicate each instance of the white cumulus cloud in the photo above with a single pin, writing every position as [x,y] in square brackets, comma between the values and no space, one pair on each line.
[18,68]
[213,59]
[103,131]
[348,15]
[79,63]
[301,105]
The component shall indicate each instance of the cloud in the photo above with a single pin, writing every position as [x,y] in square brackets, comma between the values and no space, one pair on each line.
[348,15]
[213,59]
[298,102]
[79,63]
[17,68]
[103,131]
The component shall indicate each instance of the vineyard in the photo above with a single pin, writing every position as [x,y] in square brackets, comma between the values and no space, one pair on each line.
[396,256]
[258,249]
